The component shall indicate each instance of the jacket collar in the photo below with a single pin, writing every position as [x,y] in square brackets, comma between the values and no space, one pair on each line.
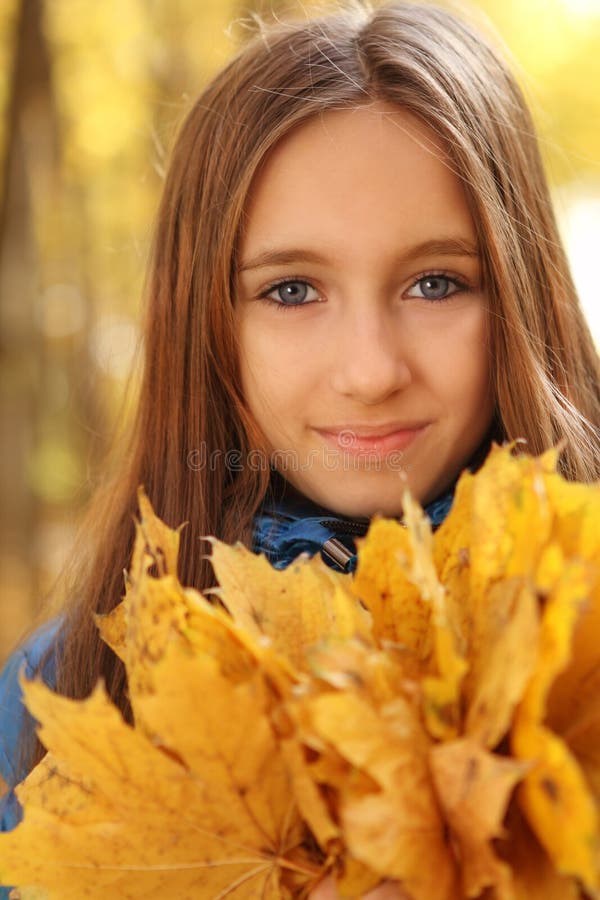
[287,527]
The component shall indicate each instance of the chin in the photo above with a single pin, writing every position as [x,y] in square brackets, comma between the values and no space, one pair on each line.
[365,505]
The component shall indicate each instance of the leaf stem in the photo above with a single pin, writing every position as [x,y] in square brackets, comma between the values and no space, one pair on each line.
[295,867]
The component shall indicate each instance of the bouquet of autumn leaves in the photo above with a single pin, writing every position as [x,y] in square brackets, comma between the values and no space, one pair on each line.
[434,719]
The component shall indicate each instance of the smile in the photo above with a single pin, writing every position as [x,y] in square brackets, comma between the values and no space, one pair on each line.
[379,440]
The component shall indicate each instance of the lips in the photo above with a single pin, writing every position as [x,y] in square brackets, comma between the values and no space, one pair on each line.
[376,439]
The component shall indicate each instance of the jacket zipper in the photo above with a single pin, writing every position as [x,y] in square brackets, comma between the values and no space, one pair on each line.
[346,526]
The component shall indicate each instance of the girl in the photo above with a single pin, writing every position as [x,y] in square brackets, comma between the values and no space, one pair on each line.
[356,282]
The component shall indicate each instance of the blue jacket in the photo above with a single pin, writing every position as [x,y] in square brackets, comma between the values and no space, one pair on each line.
[15,721]
[282,531]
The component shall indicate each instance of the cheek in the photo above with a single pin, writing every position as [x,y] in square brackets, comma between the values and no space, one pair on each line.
[267,378]
[256,361]
[263,376]
[463,365]
[278,365]
[476,374]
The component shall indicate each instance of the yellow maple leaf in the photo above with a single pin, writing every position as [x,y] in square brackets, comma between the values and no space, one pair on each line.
[156,539]
[397,579]
[400,615]
[292,608]
[502,655]
[532,875]
[163,808]
[386,805]
[499,523]
[441,690]
[573,705]
[519,536]
[109,812]
[510,518]
[555,794]
[474,788]
[156,608]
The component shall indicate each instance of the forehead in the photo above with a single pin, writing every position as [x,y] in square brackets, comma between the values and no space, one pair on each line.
[376,170]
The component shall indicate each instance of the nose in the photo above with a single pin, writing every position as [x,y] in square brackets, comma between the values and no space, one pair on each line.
[369,359]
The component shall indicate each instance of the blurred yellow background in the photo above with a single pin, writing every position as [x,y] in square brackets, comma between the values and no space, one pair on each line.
[90,94]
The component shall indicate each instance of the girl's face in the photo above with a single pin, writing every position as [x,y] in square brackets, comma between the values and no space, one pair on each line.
[363,319]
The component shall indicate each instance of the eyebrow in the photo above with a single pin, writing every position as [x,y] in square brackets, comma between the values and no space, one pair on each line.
[435,247]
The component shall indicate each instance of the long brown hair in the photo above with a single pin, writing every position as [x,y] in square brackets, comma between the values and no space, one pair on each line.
[191,407]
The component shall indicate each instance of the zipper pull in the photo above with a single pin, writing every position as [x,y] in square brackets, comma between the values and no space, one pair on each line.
[337,553]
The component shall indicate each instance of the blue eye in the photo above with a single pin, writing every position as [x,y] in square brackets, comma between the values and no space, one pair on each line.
[293,292]
[436,287]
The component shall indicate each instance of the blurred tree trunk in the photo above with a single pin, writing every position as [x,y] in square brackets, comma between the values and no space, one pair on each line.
[20,345]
